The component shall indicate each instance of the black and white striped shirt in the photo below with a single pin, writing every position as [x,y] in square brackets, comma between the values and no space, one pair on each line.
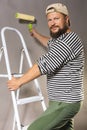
[63,64]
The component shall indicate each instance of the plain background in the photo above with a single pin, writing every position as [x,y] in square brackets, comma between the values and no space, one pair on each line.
[8,9]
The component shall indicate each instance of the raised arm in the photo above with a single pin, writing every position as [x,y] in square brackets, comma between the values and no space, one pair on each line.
[41,38]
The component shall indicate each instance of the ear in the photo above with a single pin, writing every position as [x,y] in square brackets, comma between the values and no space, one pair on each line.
[68,20]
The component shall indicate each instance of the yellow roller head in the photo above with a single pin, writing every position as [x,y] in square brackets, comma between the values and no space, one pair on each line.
[25,17]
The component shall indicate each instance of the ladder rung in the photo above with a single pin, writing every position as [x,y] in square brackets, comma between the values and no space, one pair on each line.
[6,75]
[29,100]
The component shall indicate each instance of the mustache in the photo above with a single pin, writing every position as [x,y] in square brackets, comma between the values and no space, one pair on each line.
[53,26]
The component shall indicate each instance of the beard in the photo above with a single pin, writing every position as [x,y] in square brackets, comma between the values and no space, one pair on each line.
[59,32]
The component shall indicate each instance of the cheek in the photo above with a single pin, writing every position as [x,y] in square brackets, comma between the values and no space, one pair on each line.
[49,25]
[62,24]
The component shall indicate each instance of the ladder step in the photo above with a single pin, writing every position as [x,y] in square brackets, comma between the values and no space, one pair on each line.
[29,100]
[6,75]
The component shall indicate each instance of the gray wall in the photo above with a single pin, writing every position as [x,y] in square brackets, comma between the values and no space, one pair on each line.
[8,9]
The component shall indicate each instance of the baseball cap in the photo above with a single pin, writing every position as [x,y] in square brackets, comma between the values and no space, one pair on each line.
[57,7]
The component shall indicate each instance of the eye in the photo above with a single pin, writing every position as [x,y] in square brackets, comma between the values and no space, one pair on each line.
[56,18]
[49,20]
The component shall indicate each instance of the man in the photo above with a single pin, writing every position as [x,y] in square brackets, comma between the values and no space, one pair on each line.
[63,64]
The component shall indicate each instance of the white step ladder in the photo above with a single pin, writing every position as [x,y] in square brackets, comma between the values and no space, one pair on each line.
[15,97]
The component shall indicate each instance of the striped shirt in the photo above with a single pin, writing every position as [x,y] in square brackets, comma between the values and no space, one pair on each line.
[63,64]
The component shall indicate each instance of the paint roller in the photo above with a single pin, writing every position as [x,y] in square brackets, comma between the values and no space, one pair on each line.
[25,18]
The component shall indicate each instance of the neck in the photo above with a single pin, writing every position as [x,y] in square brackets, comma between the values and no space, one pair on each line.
[68,30]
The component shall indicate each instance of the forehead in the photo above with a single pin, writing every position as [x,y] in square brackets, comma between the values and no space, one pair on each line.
[54,14]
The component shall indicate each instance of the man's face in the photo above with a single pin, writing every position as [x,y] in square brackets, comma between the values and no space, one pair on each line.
[57,23]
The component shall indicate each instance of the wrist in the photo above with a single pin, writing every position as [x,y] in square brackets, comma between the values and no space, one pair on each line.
[20,83]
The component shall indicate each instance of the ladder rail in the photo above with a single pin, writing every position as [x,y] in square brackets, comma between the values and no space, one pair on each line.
[1,52]
[20,70]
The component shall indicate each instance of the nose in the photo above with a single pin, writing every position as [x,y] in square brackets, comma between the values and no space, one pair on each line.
[52,22]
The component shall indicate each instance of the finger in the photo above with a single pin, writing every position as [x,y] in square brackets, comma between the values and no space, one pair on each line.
[11,89]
